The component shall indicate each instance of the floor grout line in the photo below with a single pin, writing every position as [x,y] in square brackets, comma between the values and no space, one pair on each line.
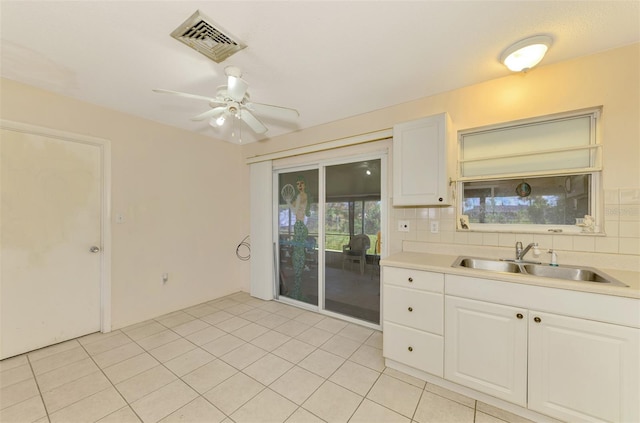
[112,385]
[35,379]
[349,331]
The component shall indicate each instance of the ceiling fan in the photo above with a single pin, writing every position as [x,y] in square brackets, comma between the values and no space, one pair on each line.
[232,101]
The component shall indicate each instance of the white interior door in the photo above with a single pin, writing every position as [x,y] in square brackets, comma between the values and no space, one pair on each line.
[50,240]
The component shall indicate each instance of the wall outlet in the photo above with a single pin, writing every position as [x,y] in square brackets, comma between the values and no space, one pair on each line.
[435,227]
[403,226]
[165,277]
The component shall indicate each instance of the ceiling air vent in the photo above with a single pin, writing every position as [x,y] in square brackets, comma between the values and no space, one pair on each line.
[203,35]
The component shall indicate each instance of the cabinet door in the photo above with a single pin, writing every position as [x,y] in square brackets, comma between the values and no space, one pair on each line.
[582,370]
[419,162]
[486,348]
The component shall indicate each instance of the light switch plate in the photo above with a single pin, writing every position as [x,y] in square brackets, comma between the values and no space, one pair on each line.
[435,226]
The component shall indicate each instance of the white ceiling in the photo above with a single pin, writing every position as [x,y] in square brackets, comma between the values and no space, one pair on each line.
[328,59]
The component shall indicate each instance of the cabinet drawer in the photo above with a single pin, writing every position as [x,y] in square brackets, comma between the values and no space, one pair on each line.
[417,309]
[418,279]
[421,350]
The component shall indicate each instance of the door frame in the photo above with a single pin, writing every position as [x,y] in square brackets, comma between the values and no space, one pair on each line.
[104,147]
[320,163]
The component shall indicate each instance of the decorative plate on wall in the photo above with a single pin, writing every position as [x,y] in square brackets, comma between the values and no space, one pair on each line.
[523,189]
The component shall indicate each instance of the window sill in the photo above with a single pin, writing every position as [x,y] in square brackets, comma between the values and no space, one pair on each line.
[493,229]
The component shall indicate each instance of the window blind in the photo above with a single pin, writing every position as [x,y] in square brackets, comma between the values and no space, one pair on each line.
[552,145]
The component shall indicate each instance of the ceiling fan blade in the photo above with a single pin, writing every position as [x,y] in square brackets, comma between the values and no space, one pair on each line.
[236,88]
[213,113]
[187,95]
[253,122]
[275,111]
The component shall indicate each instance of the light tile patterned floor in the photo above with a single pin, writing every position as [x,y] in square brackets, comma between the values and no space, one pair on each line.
[234,359]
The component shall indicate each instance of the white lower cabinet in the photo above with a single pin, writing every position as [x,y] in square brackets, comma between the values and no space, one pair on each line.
[413,310]
[576,361]
[486,348]
[581,370]
[568,368]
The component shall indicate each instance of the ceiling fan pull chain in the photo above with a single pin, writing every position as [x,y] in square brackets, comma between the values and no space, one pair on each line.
[233,127]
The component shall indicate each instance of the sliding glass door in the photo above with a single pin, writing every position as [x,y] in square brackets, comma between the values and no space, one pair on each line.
[298,235]
[329,236]
[352,239]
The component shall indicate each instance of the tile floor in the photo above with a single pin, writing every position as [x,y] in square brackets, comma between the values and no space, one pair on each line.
[234,359]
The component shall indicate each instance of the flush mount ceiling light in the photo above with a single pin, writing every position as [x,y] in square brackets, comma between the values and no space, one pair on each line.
[526,53]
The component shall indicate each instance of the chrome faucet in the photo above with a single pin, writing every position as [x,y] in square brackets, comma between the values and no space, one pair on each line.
[520,252]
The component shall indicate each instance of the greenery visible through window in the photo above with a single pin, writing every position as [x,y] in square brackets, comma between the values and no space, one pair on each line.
[366,213]
[555,200]
[337,230]
[536,174]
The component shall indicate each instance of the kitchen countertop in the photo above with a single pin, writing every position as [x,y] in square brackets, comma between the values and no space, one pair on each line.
[442,263]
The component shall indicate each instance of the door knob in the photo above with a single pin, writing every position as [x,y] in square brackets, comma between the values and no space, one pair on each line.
[94,249]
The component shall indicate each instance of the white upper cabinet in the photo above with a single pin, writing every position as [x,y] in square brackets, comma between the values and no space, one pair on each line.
[420,162]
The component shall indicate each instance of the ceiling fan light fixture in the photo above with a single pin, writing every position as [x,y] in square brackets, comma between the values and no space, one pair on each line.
[527,53]
[232,103]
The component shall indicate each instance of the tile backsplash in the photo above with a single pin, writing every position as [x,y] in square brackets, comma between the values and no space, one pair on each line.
[621,227]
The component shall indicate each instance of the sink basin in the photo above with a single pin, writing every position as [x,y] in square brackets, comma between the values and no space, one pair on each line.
[487,264]
[573,273]
[586,274]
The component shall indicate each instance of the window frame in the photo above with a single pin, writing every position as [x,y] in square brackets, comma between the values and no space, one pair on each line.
[595,171]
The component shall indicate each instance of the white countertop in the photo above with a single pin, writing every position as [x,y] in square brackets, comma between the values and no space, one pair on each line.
[442,263]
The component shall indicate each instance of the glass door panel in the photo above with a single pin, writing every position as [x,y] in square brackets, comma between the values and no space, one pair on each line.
[298,235]
[352,239]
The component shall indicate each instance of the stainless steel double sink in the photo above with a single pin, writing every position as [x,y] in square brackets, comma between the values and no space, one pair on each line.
[573,273]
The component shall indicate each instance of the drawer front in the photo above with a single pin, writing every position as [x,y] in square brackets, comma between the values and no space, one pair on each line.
[421,350]
[585,305]
[417,279]
[418,309]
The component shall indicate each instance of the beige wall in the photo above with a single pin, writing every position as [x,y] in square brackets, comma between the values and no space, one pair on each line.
[184,199]
[185,196]
[610,79]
